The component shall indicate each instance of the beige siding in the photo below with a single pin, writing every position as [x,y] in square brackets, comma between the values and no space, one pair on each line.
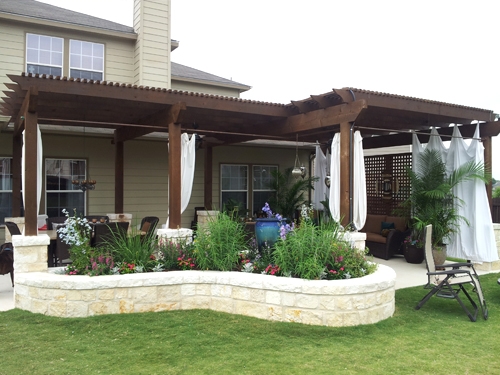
[152,50]
[146,171]
[207,89]
[119,58]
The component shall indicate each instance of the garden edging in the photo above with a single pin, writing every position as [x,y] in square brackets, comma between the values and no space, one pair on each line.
[337,303]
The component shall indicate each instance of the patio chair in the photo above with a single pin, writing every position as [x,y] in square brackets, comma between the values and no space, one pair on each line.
[13,228]
[55,220]
[60,252]
[7,260]
[148,226]
[453,278]
[104,233]
[97,218]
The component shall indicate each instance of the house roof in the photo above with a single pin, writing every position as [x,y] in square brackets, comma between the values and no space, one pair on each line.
[42,11]
[186,73]
[135,111]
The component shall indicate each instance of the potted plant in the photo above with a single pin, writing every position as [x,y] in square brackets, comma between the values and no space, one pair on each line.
[413,249]
[289,192]
[432,199]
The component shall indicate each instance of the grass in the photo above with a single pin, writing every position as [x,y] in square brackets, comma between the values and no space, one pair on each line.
[438,339]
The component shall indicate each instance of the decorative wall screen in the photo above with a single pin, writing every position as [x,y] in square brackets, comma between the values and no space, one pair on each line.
[387,184]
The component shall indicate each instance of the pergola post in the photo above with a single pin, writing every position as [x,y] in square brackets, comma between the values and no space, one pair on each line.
[30,163]
[488,160]
[345,175]
[207,183]
[174,173]
[119,176]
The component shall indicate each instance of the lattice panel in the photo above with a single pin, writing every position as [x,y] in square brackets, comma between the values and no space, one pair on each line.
[376,167]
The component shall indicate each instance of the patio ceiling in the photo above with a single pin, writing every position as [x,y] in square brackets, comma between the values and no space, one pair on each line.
[134,111]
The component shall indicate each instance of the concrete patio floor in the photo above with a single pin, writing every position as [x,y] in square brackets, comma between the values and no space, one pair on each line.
[407,275]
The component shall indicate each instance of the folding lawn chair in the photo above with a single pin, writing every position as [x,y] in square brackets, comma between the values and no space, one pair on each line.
[449,282]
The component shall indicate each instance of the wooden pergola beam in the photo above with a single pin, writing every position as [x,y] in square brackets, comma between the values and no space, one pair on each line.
[322,118]
[174,166]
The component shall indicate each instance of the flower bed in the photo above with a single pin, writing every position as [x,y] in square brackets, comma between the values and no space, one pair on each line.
[356,301]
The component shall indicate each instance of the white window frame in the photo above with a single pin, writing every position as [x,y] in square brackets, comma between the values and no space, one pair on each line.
[4,189]
[72,190]
[250,188]
[51,50]
[77,58]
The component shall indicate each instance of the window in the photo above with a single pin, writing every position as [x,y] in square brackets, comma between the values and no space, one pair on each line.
[86,60]
[61,193]
[262,177]
[5,189]
[44,54]
[235,187]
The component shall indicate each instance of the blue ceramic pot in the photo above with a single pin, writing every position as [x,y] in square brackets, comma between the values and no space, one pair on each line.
[267,231]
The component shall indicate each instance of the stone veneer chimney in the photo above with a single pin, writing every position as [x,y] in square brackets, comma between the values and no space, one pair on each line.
[152,50]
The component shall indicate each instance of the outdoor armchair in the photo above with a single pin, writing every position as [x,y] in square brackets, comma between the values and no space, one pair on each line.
[449,279]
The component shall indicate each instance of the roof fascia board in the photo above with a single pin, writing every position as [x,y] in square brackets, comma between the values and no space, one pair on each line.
[70,26]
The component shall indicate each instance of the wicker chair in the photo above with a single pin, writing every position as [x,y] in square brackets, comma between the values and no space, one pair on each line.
[7,260]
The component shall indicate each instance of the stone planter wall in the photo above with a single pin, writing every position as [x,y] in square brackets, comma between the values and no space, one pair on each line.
[331,303]
[492,266]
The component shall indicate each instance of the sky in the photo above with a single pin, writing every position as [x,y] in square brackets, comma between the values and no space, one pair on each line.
[287,50]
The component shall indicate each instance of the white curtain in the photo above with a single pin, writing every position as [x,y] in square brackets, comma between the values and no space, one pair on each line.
[477,241]
[188,156]
[359,182]
[321,166]
[335,178]
[39,168]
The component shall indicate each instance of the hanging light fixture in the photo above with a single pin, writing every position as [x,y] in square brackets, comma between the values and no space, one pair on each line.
[84,185]
[298,170]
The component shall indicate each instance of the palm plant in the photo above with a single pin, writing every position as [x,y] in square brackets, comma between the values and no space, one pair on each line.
[289,192]
[432,200]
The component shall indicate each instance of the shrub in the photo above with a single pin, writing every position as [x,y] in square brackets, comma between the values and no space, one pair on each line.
[176,255]
[132,249]
[319,252]
[218,246]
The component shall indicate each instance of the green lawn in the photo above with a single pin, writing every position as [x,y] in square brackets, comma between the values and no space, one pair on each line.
[438,339]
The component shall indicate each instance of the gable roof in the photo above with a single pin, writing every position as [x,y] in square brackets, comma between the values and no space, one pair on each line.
[42,11]
[185,73]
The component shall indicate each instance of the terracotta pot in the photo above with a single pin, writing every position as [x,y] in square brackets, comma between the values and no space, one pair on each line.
[414,254]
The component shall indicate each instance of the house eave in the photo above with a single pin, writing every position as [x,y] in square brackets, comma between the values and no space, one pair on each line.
[69,26]
[239,87]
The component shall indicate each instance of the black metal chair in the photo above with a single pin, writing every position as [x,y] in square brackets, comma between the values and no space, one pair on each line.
[450,280]
[148,226]
[13,228]
[61,252]
[7,260]
[104,233]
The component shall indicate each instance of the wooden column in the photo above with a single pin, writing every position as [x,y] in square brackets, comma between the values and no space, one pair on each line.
[174,173]
[17,152]
[345,174]
[30,174]
[207,183]
[488,160]
[119,177]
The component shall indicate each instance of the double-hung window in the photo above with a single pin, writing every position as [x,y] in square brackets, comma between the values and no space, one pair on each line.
[86,60]
[44,54]
[5,189]
[60,192]
[236,189]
